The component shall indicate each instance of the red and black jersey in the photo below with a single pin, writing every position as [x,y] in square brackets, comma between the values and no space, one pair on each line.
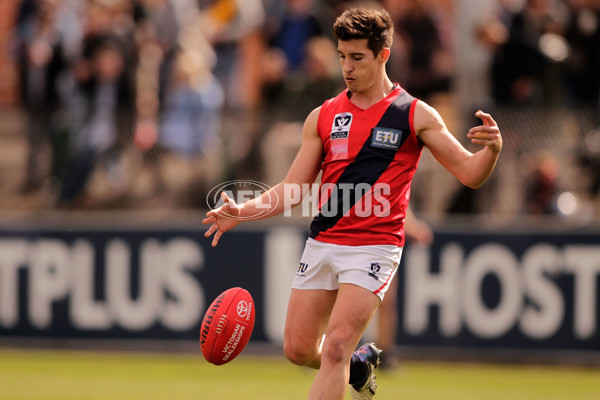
[370,157]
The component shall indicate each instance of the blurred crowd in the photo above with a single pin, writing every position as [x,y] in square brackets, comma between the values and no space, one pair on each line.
[222,86]
[545,57]
[544,51]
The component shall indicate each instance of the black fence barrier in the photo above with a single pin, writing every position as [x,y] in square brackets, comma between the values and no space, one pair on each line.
[518,290]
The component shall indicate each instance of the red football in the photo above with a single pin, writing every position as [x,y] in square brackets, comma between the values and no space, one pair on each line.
[227,326]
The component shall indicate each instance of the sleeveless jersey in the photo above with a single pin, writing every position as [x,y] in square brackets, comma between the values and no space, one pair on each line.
[370,157]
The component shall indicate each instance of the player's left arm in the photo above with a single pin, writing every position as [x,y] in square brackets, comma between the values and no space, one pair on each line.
[472,169]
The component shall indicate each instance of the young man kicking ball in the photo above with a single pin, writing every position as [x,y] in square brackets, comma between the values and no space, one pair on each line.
[367,142]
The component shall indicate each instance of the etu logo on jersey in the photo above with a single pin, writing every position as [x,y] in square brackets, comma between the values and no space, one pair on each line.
[341,126]
[386,138]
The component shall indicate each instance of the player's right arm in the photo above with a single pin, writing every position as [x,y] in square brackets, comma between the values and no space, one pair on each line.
[303,170]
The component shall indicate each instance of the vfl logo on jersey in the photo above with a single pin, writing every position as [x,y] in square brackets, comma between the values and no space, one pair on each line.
[375,268]
[341,126]
[386,138]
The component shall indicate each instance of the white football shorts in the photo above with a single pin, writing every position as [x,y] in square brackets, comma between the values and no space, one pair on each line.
[326,265]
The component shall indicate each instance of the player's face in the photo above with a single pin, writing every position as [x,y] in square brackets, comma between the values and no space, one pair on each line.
[360,67]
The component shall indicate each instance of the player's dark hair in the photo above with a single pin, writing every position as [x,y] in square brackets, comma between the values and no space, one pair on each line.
[364,23]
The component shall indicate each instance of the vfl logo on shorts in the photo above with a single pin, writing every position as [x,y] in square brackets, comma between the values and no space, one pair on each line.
[375,268]
[341,126]
[386,138]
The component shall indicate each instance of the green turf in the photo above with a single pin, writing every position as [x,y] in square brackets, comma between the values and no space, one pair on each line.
[69,375]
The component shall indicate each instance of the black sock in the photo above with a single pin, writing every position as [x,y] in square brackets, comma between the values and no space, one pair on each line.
[358,370]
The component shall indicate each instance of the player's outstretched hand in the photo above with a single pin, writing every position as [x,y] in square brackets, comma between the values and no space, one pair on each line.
[487,134]
[222,219]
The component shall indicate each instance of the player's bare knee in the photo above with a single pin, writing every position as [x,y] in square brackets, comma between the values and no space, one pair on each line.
[299,355]
[334,351]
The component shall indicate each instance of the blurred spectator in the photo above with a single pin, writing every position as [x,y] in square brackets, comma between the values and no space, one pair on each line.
[296,27]
[464,201]
[101,98]
[543,186]
[106,120]
[527,66]
[588,157]
[291,96]
[233,28]
[190,125]
[190,122]
[583,34]
[161,18]
[40,63]
[158,23]
[157,32]
[104,19]
[27,9]
[422,56]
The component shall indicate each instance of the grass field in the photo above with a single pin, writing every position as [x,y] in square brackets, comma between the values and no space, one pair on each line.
[70,375]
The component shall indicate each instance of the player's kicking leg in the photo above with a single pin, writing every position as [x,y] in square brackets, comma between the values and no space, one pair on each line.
[307,315]
[348,317]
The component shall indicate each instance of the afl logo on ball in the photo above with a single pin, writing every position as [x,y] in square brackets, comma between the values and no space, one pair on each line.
[242,309]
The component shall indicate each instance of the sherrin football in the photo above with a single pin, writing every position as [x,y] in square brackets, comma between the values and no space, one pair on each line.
[227,326]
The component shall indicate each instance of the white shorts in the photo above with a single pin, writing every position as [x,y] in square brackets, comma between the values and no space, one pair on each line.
[326,265]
